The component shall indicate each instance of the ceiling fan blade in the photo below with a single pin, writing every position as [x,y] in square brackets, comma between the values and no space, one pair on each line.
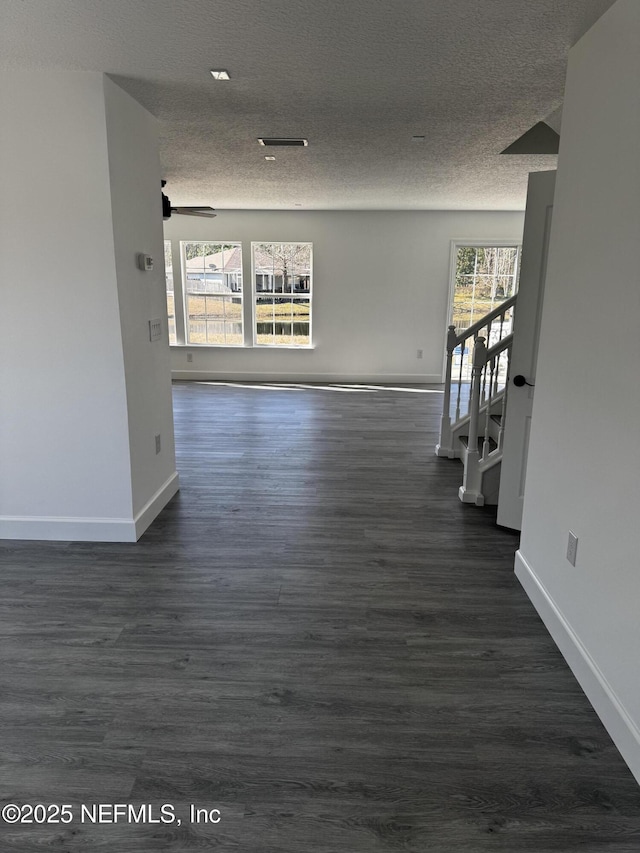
[194,211]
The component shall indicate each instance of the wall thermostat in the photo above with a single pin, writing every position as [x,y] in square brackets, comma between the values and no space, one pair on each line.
[145,262]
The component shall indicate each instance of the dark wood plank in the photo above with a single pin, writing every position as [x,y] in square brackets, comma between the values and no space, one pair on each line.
[317,638]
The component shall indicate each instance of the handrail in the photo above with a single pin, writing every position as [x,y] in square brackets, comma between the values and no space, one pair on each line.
[498,347]
[502,308]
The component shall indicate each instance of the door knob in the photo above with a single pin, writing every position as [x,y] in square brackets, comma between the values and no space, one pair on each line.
[520,380]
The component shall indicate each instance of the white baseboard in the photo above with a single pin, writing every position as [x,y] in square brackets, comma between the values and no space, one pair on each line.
[615,718]
[359,378]
[65,529]
[156,504]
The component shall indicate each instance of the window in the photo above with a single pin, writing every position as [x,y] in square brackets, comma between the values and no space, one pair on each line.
[483,277]
[282,294]
[171,304]
[205,302]
[212,284]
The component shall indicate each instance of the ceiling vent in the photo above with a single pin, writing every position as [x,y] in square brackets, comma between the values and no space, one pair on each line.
[283,143]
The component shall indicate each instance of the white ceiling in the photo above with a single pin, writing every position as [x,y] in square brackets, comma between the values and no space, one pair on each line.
[358,78]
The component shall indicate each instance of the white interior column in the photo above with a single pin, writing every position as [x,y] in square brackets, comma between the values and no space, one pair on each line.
[83,391]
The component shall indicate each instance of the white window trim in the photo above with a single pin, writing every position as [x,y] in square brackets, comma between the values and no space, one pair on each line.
[173,276]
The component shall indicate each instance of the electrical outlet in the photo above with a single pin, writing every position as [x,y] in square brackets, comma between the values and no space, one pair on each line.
[419,353]
[572,548]
[158,443]
[189,356]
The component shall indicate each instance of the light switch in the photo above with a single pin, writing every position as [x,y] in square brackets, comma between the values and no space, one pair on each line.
[155,330]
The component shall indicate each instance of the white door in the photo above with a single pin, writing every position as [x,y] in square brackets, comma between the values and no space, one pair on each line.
[526,330]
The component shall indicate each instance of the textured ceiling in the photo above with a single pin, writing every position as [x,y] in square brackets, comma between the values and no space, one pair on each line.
[358,78]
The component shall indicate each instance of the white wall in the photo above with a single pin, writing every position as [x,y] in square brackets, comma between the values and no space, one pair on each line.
[65,458]
[584,462]
[62,424]
[380,290]
[136,202]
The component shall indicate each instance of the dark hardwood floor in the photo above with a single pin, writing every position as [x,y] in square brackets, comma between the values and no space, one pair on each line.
[316,638]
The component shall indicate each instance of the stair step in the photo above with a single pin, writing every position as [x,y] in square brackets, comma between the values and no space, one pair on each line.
[497,419]
[464,440]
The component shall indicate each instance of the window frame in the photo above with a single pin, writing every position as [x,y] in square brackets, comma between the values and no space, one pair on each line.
[168,255]
[255,294]
[472,243]
[186,293]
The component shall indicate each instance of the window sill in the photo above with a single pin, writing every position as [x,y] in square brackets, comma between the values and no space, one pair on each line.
[241,346]
[282,346]
[207,346]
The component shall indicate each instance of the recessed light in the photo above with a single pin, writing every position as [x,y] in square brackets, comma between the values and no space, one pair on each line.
[220,74]
[269,158]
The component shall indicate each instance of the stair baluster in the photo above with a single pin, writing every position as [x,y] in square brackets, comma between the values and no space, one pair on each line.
[445,422]
[483,393]
[486,446]
[496,375]
[504,405]
[460,378]
[469,491]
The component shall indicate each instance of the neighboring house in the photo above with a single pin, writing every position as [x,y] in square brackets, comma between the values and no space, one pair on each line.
[219,273]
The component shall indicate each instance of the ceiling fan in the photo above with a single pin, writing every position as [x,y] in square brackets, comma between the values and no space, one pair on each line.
[196,210]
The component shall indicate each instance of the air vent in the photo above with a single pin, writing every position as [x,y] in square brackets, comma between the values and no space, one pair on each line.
[283,143]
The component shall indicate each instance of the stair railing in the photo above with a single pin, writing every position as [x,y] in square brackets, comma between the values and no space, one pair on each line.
[493,327]
[489,382]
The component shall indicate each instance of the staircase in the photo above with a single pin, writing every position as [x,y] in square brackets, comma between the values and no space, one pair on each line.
[475,399]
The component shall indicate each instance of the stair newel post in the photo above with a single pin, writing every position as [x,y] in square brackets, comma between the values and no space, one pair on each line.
[471,482]
[444,447]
